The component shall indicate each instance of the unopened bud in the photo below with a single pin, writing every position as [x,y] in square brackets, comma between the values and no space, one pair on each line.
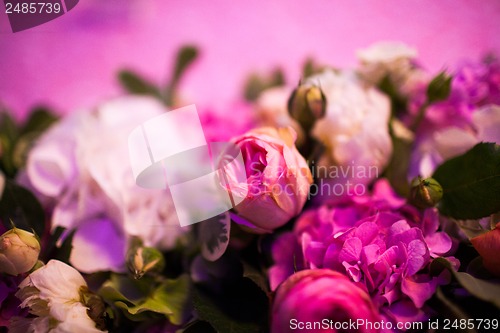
[19,250]
[425,193]
[306,105]
[143,259]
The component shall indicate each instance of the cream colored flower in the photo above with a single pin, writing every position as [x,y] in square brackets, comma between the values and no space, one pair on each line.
[386,58]
[53,293]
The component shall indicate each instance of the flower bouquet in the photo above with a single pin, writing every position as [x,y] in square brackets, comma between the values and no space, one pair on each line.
[361,200]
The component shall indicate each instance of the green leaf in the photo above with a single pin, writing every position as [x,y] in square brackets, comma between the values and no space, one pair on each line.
[398,101]
[471,183]
[8,136]
[39,120]
[397,169]
[20,206]
[185,57]
[256,84]
[15,141]
[257,277]
[482,289]
[310,67]
[140,299]
[170,299]
[135,84]
[439,88]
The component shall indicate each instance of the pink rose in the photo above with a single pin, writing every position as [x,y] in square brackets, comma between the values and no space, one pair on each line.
[321,296]
[278,178]
[488,246]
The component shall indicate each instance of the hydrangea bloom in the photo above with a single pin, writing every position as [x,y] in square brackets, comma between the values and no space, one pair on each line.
[377,241]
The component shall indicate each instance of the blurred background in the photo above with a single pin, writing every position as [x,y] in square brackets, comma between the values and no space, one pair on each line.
[72,62]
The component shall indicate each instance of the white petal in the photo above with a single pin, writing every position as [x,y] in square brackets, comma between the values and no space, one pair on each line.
[487,122]
[57,282]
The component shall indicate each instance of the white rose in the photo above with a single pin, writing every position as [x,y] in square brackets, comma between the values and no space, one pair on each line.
[386,58]
[53,294]
[355,129]
[82,163]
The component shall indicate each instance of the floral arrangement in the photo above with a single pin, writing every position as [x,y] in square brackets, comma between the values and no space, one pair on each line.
[372,205]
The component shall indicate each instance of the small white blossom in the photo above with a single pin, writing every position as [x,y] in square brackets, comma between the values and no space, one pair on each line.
[386,58]
[53,293]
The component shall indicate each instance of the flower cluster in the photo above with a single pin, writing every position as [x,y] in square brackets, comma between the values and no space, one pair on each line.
[376,240]
[346,200]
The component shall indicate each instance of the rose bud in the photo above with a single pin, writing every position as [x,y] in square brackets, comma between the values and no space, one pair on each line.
[19,250]
[306,105]
[425,193]
[141,260]
[278,178]
[488,246]
[316,300]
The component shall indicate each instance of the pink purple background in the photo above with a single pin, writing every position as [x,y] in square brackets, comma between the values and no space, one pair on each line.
[71,62]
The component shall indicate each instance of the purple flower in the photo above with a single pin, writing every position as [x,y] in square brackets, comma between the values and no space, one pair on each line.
[377,241]
[454,125]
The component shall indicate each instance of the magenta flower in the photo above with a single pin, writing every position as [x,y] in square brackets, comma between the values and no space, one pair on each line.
[321,301]
[377,241]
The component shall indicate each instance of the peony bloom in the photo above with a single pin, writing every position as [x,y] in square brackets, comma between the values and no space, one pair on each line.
[355,129]
[53,294]
[377,241]
[322,298]
[393,59]
[19,250]
[278,178]
[81,164]
[488,246]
